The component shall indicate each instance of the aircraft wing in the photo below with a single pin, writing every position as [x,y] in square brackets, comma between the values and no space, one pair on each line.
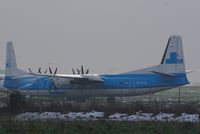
[90,77]
[64,76]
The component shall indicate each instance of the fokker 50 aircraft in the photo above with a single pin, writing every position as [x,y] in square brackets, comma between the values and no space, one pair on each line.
[170,73]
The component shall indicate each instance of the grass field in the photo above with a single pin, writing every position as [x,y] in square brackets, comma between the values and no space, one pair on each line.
[166,101]
[97,127]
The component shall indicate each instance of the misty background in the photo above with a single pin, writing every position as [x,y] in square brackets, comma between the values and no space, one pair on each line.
[108,36]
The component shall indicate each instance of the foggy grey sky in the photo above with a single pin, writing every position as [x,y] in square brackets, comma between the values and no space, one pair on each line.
[104,35]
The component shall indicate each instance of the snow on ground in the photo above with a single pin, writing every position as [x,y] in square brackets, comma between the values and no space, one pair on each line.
[188,118]
[118,117]
[162,117]
[94,115]
[125,117]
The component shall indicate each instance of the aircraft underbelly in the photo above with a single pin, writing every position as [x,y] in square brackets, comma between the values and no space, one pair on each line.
[96,92]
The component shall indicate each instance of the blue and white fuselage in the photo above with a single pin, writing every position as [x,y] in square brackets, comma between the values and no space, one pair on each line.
[169,74]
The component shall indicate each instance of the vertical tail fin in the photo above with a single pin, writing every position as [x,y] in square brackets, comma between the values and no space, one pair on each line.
[11,64]
[173,58]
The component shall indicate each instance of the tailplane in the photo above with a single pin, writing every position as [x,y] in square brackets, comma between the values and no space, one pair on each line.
[172,62]
[173,58]
[11,64]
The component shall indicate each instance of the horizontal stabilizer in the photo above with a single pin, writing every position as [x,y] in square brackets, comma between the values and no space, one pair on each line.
[189,71]
[164,74]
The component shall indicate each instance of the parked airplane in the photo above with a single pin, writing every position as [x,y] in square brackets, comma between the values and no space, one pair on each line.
[169,74]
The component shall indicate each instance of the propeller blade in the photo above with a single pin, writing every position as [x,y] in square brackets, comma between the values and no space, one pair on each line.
[82,70]
[73,71]
[87,71]
[50,71]
[30,70]
[55,72]
[78,71]
[39,70]
[45,71]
